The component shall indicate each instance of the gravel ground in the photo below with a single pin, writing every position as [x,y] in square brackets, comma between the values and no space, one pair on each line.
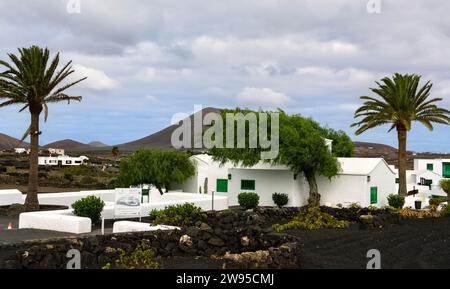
[420,243]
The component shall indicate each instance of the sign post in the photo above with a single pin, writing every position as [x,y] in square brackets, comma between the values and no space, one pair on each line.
[128,203]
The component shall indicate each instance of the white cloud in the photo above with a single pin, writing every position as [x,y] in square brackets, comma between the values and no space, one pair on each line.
[262,97]
[96,79]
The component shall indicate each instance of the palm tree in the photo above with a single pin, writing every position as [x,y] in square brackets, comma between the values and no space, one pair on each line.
[30,81]
[400,101]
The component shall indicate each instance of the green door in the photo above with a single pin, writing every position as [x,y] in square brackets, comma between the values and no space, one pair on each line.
[222,186]
[373,195]
[446,170]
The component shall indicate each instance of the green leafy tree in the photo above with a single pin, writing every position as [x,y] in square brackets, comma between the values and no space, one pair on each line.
[34,82]
[445,186]
[156,167]
[302,148]
[399,102]
[115,151]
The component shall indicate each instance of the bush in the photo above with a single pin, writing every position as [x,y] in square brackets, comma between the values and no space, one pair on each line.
[312,219]
[177,215]
[372,208]
[354,206]
[445,185]
[396,201]
[410,213]
[445,212]
[90,207]
[140,258]
[248,200]
[437,201]
[280,199]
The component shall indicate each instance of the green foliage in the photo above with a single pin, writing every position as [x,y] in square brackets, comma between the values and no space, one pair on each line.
[445,185]
[372,208]
[396,201]
[157,167]
[437,201]
[83,170]
[388,208]
[343,146]
[141,258]
[90,207]
[177,215]
[399,102]
[115,151]
[445,212]
[355,205]
[248,200]
[312,219]
[280,199]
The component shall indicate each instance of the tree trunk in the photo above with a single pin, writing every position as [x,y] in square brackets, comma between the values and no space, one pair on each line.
[402,135]
[314,196]
[32,202]
[160,190]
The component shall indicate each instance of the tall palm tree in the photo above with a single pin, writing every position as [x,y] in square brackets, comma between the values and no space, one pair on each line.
[30,81]
[399,102]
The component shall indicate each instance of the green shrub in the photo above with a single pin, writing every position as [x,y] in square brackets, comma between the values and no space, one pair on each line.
[396,201]
[248,200]
[82,170]
[437,201]
[280,199]
[372,208]
[445,212]
[141,258]
[388,208]
[445,185]
[354,205]
[177,215]
[90,207]
[312,219]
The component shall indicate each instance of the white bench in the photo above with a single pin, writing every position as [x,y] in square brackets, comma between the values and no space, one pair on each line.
[9,197]
[60,221]
[127,226]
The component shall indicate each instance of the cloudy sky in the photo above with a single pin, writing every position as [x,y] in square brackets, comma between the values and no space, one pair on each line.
[147,60]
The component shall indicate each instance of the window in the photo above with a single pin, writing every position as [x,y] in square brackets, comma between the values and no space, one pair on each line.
[222,186]
[248,185]
[446,170]
[373,195]
[430,167]
[397,180]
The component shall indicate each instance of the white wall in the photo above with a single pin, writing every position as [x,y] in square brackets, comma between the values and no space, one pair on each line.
[382,178]
[343,189]
[267,182]
[421,164]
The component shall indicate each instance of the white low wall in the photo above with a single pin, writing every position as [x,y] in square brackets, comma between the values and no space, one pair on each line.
[65,221]
[127,226]
[60,221]
[9,197]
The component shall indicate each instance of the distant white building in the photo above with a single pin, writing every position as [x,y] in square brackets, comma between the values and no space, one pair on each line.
[426,176]
[62,161]
[367,181]
[59,152]
[21,151]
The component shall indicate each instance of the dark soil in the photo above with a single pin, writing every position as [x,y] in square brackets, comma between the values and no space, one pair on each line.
[417,243]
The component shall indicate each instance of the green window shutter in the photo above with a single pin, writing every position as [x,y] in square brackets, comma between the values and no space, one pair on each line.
[373,195]
[248,185]
[446,170]
[222,186]
[430,167]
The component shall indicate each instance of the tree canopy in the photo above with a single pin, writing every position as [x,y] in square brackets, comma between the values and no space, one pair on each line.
[160,168]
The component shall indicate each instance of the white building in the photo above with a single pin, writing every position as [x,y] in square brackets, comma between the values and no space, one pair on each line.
[59,152]
[62,161]
[21,151]
[362,180]
[438,166]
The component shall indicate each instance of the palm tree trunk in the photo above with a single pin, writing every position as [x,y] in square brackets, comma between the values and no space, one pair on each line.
[402,135]
[314,196]
[32,202]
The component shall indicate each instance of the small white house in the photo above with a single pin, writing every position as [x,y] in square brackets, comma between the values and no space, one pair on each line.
[362,180]
[59,152]
[21,151]
[62,161]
